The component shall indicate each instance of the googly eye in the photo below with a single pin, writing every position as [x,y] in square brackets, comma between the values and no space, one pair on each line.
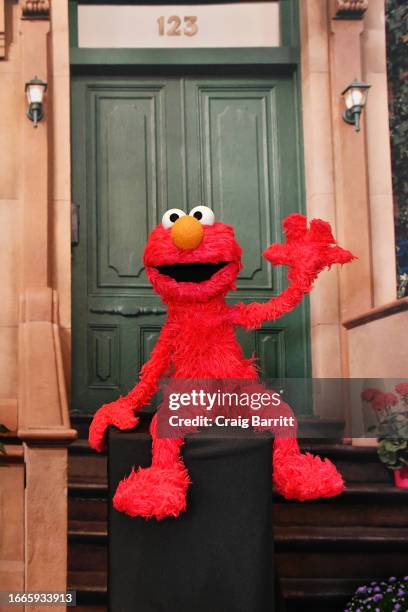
[170,217]
[203,214]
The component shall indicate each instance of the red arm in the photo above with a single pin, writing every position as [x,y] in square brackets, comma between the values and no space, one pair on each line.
[121,412]
[306,252]
[151,372]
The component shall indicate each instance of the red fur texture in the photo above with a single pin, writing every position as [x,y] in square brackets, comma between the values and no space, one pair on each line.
[198,341]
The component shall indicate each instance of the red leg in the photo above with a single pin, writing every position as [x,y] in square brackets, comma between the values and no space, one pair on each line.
[160,490]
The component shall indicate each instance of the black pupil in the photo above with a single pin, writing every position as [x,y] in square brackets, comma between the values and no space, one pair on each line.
[174,217]
[198,215]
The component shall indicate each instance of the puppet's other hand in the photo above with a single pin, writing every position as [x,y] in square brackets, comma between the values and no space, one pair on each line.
[118,413]
[307,250]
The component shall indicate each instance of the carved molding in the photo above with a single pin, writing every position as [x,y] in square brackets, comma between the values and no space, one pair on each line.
[124,311]
[350,9]
[2,31]
[35,9]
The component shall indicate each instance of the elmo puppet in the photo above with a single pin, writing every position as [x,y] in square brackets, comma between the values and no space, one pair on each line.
[193,261]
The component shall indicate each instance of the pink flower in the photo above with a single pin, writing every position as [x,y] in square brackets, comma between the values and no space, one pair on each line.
[379,402]
[369,394]
[390,399]
[402,389]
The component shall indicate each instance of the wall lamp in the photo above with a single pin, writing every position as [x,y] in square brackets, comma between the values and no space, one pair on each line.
[355,97]
[35,90]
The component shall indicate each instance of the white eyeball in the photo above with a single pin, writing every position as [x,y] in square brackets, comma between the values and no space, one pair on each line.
[170,217]
[203,214]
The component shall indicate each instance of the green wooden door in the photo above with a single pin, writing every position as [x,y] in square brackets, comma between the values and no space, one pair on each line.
[142,145]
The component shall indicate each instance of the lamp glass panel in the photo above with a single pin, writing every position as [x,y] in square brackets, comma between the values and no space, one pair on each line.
[35,93]
[358,96]
[348,98]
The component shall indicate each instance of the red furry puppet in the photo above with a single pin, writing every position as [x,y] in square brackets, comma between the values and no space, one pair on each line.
[192,262]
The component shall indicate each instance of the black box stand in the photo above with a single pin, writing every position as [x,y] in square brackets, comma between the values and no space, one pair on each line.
[218,555]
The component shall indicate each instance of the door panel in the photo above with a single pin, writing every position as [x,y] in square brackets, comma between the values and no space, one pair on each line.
[143,145]
[127,160]
[232,127]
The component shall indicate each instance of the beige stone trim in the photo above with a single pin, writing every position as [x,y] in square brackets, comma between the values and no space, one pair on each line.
[351,180]
[2,31]
[379,156]
[319,175]
[43,406]
[8,413]
[12,522]
[45,512]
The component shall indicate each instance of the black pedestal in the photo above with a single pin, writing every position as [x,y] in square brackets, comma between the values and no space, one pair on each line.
[217,556]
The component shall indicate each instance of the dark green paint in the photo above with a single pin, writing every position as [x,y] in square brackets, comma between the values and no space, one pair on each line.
[142,145]
[279,56]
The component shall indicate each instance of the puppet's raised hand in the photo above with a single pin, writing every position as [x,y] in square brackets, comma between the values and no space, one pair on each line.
[120,413]
[306,251]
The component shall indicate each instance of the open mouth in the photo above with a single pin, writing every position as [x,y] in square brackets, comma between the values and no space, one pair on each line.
[191,272]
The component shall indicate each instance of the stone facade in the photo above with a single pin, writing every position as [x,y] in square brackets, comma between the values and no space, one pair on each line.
[357,328]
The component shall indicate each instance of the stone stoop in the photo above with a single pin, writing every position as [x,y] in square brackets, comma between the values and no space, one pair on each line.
[323,549]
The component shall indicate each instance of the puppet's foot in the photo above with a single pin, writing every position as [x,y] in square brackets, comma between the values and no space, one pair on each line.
[153,492]
[304,476]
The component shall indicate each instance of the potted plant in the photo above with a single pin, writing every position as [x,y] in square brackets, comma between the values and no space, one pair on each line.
[391,411]
[385,596]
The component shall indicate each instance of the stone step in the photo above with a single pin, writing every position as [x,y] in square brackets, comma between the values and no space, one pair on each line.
[356,464]
[287,537]
[88,509]
[91,590]
[87,553]
[324,548]
[354,562]
[300,595]
[317,595]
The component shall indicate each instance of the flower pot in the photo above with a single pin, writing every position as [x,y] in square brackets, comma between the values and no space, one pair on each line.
[401,477]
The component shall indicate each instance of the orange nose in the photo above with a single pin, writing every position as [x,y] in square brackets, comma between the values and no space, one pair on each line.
[187,233]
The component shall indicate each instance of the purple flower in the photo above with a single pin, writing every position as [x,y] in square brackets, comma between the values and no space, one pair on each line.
[378,597]
[377,590]
[401,593]
[362,589]
[373,583]
[392,579]
[397,607]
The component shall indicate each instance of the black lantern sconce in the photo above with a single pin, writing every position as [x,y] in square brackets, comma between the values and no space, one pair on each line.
[35,90]
[355,97]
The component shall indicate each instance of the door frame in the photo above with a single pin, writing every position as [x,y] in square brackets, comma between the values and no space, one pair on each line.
[284,59]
